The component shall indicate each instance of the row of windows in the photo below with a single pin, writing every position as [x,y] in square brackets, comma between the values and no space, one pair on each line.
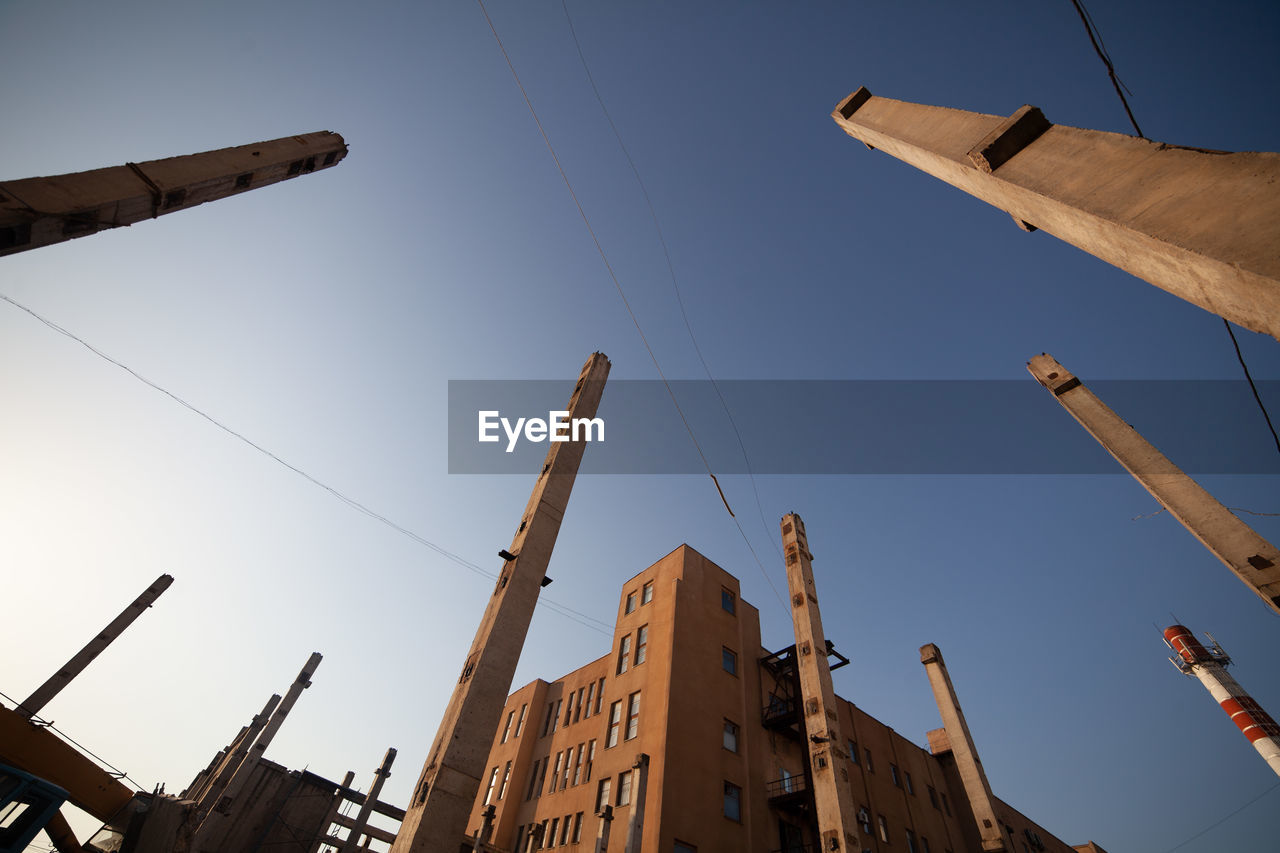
[493,780]
[605,795]
[553,832]
[506,730]
[900,778]
[572,767]
[914,845]
[646,595]
[581,705]
[615,720]
[641,648]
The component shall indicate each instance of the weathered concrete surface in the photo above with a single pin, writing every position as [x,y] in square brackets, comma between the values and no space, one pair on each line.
[1203,225]
[436,818]
[1250,557]
[36,212]
[972,776]
[832,792]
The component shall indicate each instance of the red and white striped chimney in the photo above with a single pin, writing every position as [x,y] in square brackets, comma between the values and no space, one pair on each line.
[1210,667]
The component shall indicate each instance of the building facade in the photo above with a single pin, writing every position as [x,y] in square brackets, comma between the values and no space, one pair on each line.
[688,683]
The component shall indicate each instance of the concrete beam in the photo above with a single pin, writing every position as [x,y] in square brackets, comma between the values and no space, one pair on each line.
[1202,225]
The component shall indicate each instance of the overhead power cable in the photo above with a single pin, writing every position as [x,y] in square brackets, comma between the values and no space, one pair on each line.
[671,271]
[1095,38]
[1223,820]
[567,612]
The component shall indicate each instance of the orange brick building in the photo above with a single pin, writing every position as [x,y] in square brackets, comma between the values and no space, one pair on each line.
[688,682]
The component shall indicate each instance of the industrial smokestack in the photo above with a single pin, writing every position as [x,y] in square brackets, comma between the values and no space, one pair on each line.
[1210,666]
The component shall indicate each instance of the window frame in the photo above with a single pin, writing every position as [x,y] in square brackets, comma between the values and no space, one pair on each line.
[728,601]
[633,716]
[732,794]
[730,730]
[615,725]
[646,593]
[729,661]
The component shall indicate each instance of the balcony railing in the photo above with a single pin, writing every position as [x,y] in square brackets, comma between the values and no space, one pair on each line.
[799,848]
[785,787]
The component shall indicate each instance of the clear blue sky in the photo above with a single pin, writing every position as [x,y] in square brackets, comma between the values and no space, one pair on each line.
[324,317]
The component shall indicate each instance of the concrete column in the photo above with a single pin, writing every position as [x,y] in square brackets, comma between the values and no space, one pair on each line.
[1203,225]
[1251,558]
[436,818]
[828,762]
[602,831]
[213,827]
[36,212]
[963,750]
[635,824]
[335,806]
[208,796]
[370,799]
[35,703]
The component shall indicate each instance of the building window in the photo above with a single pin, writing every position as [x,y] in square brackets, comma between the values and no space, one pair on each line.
[520,723]
[871,768]
[924,841]
[624,788]
[591,694]
[602,794]
[577,708]
[853,751]
[727,600]
[893,774]
[631,602]
[730,736]
[493,780]
[591,757]
[615,722]
[884,830]
[933,796]
[732,801]
[624,654]
[864,820]
[519,836]
[555,717]
[551,834]
[646,593]
[564,830]
[633,716]
[681,847]
[729,660]
[642,644]
[911,789]
[577,832]
[568,759]
[542,777]
[599,695]
[506,730]
[533,780]
[506,777]
[911,842]
[577,764]
[546,724]
[555,774]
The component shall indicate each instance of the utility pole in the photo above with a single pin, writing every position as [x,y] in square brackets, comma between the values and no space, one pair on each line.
[828,762]
[35,703]
[1202,225]
[976,787]
[370,800]
[436,819]
[37,212]
[1251,558]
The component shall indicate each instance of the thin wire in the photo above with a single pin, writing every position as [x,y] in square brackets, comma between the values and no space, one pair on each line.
[1120,88]
[1252,386]
[556,607]
[1232,508]
[48,724]
[666,253]
[600,249]
[1225,819]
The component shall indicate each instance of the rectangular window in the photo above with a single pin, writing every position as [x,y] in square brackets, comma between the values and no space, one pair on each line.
[624,788]
[893,774]
[591,757]
[871,768]
[493,780]
[631,602]
[646,593]
[577,707]
[520,722]
[591,694]
[519,836]
[568,759]
[911,842]
[925,842]
[564,830]
[853,751]
[729,661]
[730,736]
[546,724]
[533,780]
[727,600]
[506,777]
[732,801]
[633,716]
[506,730]
[911,789]
[555,774]
[884,830]
[624,654]
[933,796]
[568,711]
[599,695]
[577,831]
[642,644]
[615,723]
[555,716]
[551,834]
[577,764]
[602,794]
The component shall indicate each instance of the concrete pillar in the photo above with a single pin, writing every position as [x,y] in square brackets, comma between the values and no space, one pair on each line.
[370,799]
[35,703]
[1203,225]
[828,762]
[1251,558]
[635,824]
[36,212]
[213,827]
[602,831]
[436,818]
[209,794]
[976,787]
[335,806]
